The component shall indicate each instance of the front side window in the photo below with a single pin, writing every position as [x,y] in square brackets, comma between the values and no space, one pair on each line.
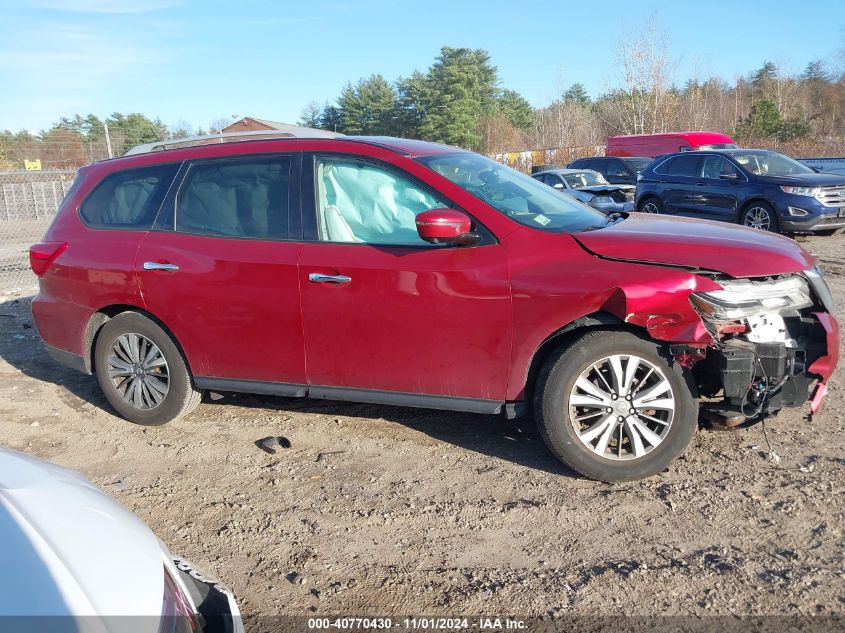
[240,198]
[520,197]
[770,164]
[359,201]
[128,199]
[714,167]
[616,169]
[637,164]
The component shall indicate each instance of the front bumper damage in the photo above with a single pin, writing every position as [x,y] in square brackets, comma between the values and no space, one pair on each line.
[760,364]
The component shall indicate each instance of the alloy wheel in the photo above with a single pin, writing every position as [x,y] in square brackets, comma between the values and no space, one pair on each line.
[622,407]
[650,207]
[758,218]
[138,371]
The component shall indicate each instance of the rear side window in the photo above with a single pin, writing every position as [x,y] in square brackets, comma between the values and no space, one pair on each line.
[686,165]
[128,199]
[243,198]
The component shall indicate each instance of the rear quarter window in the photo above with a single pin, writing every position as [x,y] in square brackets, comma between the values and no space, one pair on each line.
[128,199]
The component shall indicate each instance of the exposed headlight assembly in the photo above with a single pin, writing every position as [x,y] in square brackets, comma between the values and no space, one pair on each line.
[820,287]
[743,298]
[602,200]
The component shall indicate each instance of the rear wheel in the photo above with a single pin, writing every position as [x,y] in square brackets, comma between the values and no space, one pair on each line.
[611,407]
[141,371]
[651,205]
[759,215]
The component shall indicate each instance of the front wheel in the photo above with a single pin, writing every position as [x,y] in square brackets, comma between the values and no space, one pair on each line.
[611,407]
[760,215]
[141,371]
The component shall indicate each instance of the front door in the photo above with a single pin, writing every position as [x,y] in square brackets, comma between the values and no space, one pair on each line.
[389,317]
[222,273]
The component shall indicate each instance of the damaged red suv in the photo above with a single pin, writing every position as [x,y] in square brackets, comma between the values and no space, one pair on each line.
[408,273]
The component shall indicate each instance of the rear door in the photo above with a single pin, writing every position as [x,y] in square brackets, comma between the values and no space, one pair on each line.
[387,316]
[679,176]
[220,271]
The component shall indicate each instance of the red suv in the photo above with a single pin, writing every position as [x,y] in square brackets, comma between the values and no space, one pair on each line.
[407,273]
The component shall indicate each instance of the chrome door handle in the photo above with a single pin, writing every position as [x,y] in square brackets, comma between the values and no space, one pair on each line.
[157,266]
[330,279]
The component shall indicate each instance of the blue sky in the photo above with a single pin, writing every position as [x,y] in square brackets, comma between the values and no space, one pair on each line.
[202,60]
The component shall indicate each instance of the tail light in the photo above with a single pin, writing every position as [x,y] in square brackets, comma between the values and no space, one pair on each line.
[43,254]
[177,614]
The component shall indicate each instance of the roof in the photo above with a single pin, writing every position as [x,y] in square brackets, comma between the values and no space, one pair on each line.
[264,141]
[407,146]
[698,136]
[564,172]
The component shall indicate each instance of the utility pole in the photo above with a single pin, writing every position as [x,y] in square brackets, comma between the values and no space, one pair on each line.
[108,139]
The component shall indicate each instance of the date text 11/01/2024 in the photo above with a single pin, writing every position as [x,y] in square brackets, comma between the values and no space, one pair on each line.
[446,624]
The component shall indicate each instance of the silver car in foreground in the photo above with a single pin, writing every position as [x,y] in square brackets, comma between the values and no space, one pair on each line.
[73,559]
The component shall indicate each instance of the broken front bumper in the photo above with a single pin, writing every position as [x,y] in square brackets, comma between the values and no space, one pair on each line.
[741,379]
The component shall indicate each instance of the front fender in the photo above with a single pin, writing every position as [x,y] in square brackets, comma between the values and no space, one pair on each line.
[548,297]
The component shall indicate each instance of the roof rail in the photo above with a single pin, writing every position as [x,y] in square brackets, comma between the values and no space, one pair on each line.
[293,131]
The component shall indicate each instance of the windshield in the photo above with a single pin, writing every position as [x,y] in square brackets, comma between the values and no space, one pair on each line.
[637,164]
[514,194]
[584,179]
[770,164]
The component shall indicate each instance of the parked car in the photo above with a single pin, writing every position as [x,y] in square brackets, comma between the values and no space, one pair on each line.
[409,273]
[757,188]
[73,559]
[828,165]
[617,171]
[591,188]
[653,145]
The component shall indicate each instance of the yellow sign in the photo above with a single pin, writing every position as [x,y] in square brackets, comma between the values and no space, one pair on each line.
[32,165]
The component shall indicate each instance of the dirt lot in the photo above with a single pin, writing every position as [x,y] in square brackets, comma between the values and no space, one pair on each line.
[420,512]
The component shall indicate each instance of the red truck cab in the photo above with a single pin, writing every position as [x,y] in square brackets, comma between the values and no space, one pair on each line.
[652,145]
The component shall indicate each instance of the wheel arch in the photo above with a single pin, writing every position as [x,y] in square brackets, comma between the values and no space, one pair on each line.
[747,203]
[601,319]
[106,314]
[645,198]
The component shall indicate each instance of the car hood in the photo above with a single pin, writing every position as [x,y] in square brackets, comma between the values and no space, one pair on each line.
[69,549]
[599,189]
[697,244]
[804,180]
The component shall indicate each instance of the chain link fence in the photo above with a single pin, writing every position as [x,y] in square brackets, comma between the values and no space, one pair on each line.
[28,203]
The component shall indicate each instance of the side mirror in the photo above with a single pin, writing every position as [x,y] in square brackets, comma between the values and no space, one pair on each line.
[558,185]
[729,176]
[446,226]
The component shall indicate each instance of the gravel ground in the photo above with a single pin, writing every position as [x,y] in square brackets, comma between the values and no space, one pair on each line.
[382,510]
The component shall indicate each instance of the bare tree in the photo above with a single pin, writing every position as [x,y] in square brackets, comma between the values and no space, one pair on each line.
[641,101]
[216,126]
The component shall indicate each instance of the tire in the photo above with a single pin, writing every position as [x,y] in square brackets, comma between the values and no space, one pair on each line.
[760,215]
[650,205]
[554,407]
[151,403]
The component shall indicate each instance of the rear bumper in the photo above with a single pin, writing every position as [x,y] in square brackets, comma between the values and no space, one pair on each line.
[62,326]
[68,359]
